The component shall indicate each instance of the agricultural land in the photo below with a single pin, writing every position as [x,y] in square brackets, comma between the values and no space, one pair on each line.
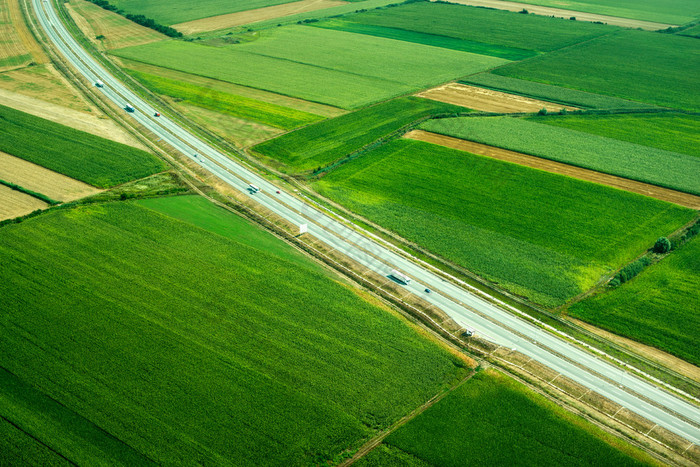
[82,156]
[14,203]
[143,392]
[478,213]
[658,307]
[468,427]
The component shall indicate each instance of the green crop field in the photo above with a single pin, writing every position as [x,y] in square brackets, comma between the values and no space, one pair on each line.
[321,65]
[660,11]
[326,142]
[551,93]
[230,104]
[543,236]
[629,160]
[488,27]
[493,420]
[671,132]
[85,157]
[637,65]
[659,307]
[692,31]
[171,12]
[142,337]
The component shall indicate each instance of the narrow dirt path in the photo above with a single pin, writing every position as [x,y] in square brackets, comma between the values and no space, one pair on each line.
[664,194]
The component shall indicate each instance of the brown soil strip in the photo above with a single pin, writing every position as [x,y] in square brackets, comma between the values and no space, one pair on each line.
[664,194]
[100,126]
[36,178]
[14,203]
[230,20]
[681,366]
[25,36]
[487,100]
[561,13]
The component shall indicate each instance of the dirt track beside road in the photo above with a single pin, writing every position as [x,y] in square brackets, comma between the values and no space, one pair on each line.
[653,191]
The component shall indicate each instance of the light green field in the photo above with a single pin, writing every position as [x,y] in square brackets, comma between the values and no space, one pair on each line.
[332,67]
[493,420]
[659,11]
[659,307]
[646,164]
[200,340]
[539,235]
[619,65]
[171,12]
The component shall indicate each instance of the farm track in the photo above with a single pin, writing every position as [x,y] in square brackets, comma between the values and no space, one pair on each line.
[664,194]
[230,20]
[488,100]
[562,13]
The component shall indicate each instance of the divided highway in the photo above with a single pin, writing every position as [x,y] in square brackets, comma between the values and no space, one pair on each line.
[470,311]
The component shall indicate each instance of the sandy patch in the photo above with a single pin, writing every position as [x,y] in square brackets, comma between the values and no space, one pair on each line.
[487,100]
[14,203]
[252,16]
[561,13]
[664,194]
[41,180]
[100,126]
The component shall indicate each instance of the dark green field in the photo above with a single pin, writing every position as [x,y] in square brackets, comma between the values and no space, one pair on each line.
[659,307]
[634,161]
[668,131]
[493,420]
[648,67]
[85,157]
[540,235]
[323,143]
[229,104]
[130,336]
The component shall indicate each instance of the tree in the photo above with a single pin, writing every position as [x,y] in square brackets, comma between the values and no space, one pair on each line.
[662,245]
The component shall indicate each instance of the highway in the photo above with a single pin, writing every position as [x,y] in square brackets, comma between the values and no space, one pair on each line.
[468,310]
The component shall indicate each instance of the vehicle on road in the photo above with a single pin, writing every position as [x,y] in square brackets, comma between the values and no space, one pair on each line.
[129,108]
[427,290]
[278,192]
[157,114]
[253,188]
[99,84]
[400,277]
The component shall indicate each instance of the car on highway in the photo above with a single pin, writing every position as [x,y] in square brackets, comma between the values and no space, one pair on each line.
[157,114]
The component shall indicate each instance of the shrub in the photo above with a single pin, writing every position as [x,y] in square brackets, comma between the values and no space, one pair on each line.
[662,245]
[630,271]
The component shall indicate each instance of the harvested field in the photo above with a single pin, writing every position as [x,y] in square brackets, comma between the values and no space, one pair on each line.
[664,194]
[488,100]
[561,13]
[13,52]
[117,31]
[47,182]
[14,203]
[252,16]
[89,123]
[25,36]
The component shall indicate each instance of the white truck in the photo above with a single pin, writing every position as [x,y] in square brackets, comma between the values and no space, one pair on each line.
[253,188]
[99,84]
[400,277]
[129,108]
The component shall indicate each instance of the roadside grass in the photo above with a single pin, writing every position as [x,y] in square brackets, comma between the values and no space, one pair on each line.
[618,65]
[539,235]
[508,53]
[659,307]
[333,67]
[634,161]
[666,11]
[323,143]
[486,26]
[494,420]
[190,346]
[551,93]
[668,131]
[230,104]
[82,156]
[169,12]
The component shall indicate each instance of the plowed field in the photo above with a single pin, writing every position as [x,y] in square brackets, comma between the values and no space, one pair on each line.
[488,100]
[36,178]
[14,203]
[664,194]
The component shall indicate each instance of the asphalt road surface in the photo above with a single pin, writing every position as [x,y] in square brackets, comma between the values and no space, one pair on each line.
[470,311]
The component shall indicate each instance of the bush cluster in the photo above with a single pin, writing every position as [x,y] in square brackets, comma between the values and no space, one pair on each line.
[139,19]
[662,245]
[630,271]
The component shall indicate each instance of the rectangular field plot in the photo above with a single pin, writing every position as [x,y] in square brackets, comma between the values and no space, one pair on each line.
[659,69]
[491,420]
[543,236]
[332,67]
[214,341]
[635,161]
[15,203]
[659,307]
[323,143]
